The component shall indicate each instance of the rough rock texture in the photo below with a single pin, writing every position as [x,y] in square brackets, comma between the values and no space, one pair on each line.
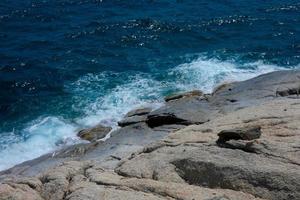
[240,142]
[95,133]
[86,181]
[18,191]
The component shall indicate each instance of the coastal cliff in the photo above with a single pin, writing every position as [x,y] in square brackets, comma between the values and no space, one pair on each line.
[242,141]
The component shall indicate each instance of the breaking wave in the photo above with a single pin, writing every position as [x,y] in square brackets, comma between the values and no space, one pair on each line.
[107,96]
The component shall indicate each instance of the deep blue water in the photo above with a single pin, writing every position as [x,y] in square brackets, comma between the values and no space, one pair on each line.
[69,64]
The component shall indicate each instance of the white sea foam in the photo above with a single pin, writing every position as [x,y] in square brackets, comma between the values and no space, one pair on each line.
[106,97]
[40,137]
[108,108]
[205,74]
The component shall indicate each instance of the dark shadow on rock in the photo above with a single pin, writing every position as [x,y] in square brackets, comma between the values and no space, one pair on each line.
[164,119]
[239,134]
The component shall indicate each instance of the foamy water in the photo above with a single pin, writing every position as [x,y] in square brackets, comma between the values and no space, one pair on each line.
[104,104]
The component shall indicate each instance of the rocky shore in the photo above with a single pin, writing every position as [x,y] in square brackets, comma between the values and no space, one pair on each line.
[240,142]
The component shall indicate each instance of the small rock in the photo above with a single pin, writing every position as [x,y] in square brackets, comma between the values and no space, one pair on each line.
[183,95]
[239,134]
[95,133]
[139,111]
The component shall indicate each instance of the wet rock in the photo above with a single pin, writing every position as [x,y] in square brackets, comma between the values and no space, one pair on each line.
[132,120]
[184,95]
[139,111]
[95,133]
[239,134]
[135,116]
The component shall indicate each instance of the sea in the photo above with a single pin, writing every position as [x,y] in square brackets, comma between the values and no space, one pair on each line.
[66,65]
